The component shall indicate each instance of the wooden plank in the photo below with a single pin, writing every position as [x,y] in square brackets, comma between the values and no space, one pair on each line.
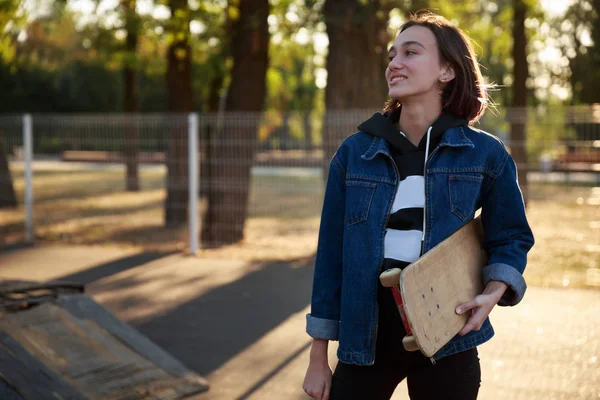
[19,286]
[89,358]
[17,294]
[84,307]
[13,305]
[86,345]
[7,392]
[32,379]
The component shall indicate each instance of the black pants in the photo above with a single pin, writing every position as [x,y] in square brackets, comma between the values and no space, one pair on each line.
[455,377]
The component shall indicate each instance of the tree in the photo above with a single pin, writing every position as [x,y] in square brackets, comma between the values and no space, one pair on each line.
[291,88]
[584,58]
[230,181]
[8,198]
[214,50]
[519,100]
[291,79]
[130,101]
[8,11]
[356,63]
[180,100]
[9,21]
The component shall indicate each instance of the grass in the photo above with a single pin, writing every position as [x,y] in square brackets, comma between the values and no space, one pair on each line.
[92,207]
[567,233]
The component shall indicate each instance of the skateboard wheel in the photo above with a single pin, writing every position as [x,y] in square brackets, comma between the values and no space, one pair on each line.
[390,278]
[410,343]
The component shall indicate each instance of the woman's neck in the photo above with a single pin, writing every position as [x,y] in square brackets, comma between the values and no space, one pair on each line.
[415,119]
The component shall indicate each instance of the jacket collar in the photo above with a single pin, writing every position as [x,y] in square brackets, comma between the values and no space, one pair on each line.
[453,137]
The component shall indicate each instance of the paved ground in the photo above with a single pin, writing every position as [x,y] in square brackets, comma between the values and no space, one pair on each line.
[242,325]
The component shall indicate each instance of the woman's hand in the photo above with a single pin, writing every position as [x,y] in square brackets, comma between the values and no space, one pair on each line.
[481,306]
[317,382]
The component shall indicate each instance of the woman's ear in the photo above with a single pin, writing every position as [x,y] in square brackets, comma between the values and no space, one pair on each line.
[447,75]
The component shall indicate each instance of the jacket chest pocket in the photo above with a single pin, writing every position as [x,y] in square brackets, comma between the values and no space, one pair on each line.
[359,195]
[464,194]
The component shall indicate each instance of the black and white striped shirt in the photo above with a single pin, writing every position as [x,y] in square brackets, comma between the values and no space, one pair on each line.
[404,230]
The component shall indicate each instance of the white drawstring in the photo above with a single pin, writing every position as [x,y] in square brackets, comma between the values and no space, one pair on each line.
[424,172]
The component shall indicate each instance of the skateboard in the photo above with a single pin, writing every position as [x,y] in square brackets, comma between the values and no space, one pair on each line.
[428,291]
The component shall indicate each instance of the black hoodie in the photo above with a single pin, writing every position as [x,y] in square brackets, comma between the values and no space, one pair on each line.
[405,226]
[404,233]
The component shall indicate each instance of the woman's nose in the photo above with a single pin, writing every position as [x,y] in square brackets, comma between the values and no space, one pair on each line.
[395,64]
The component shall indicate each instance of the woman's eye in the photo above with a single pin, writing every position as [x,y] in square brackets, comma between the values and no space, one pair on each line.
[410,52]
[390,58]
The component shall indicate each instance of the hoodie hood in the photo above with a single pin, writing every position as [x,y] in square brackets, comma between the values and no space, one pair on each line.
[384,126]
[409,160]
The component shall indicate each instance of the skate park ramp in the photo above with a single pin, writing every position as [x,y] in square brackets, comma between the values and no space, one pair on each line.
[56,342]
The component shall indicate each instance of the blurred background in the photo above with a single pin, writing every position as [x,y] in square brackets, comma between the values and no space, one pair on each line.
[275,86]
[102,99]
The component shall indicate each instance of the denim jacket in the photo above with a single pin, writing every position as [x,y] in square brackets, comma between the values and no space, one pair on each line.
[469,169]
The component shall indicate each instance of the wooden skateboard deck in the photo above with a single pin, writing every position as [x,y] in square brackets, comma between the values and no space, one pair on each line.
[429,290]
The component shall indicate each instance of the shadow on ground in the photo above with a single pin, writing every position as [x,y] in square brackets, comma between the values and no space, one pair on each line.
[207,331]
[204,312]
[101,271]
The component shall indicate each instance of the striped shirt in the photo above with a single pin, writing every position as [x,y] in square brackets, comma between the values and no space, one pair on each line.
[404,230]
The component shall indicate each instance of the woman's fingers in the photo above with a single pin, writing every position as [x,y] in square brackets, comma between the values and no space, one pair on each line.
[317,381]
[317,393]
[326,392]
[463,308]
[314,394]
[475,322]
[480,308]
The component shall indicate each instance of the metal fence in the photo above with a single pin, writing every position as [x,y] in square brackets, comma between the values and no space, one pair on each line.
[128,179]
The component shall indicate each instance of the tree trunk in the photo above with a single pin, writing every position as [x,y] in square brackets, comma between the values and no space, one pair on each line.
[8,198]
[285,137]
[356,65]
[214,95]
[130,102]
[180,101]
[518,115]
[234,154]
[308,139]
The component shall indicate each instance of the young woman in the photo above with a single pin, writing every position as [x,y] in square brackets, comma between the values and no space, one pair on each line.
[409,179]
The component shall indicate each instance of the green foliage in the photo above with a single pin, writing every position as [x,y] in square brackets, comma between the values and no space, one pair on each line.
[292,92]
[11,20]
[57,48]
[582,20]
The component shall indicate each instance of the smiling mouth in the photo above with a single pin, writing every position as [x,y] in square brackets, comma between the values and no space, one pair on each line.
[397,79]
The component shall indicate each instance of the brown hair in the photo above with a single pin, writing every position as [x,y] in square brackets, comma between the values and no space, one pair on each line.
[464,96]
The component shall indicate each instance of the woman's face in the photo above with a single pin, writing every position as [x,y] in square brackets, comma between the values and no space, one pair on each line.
[414,69]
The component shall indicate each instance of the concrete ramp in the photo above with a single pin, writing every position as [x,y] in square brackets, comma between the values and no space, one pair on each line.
[56,342]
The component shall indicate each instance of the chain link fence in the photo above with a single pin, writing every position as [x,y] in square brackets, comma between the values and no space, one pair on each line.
[124,179]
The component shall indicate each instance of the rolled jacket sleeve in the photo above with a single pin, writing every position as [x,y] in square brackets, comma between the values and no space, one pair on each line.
[319,328]
[507,235]
[323,321]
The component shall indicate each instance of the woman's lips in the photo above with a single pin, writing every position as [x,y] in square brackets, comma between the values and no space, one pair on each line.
[397,79]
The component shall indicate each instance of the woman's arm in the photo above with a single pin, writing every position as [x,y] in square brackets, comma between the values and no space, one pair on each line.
[507,235]
[322,324]
[481,306]
[323,321]
[317,382]
[507,239]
